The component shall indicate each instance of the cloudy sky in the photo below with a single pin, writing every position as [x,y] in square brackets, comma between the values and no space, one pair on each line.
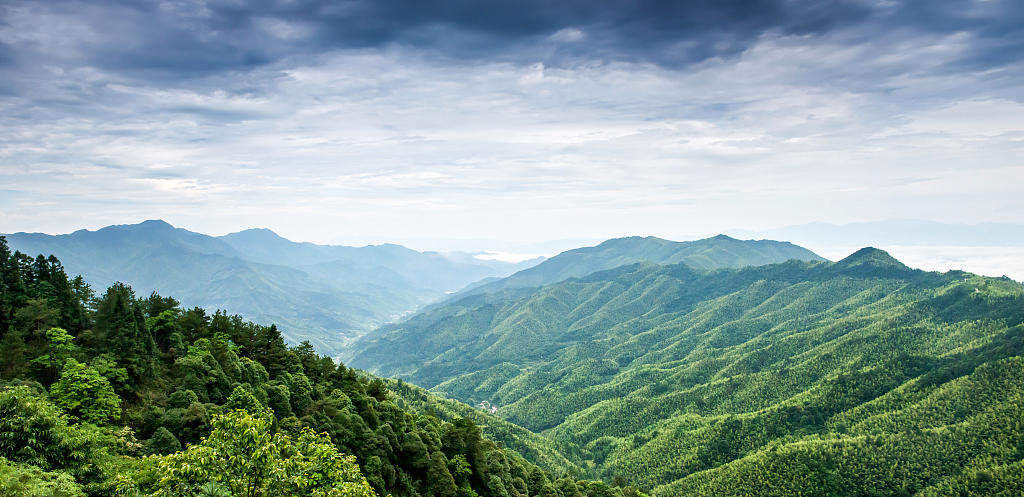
[371,120]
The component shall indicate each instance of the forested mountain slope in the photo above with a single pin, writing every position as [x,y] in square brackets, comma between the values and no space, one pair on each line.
[860,377]
[324,294]
[710,253]
[89,385]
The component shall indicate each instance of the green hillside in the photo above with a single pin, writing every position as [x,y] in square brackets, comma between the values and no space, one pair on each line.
[546,453]
[862,377]
[119,395]
[710,253]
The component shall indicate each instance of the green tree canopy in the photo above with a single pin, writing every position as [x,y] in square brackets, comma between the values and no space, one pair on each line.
[243,455]
[85,394]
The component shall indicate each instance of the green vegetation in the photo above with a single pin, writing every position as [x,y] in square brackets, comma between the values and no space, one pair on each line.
[320,293]
[538,449]
[710,253]
[242,456]
[860,377]
[137,396]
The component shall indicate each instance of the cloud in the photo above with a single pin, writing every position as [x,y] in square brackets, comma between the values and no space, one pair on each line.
[568,35]
[185,38]
[526,120]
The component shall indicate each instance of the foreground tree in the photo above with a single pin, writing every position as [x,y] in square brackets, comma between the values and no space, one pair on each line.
[242,458]
[42,454]
[83,393]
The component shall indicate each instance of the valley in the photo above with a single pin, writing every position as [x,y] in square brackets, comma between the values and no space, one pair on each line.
[712,367]
[668,375]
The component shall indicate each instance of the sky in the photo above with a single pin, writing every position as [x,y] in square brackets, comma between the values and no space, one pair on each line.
[470,123]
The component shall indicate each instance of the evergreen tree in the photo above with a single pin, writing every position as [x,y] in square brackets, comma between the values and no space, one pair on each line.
[440,482]
[120,328]
[58,350]
[163,442]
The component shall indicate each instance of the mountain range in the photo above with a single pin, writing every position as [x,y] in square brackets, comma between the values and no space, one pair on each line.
[321,293]
[714,367]
[691,381]
[709,253]
[330,294]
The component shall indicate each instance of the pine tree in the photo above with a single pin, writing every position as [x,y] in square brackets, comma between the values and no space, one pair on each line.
[121,329]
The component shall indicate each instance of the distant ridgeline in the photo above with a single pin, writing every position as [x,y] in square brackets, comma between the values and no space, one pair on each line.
[90,386]
[859,377]
[710,253]
[325,294]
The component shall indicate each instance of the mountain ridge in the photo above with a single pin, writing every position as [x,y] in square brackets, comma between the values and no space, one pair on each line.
[321,293]
[708,253]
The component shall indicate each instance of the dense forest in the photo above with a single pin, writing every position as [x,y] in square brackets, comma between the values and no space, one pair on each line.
[117,394]
[859,377]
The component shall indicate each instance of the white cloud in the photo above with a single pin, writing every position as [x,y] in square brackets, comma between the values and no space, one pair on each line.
[284,30]
[392,143]
[971,119]
[568,35]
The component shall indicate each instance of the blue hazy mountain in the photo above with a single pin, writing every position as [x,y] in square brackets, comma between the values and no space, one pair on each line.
[322,293]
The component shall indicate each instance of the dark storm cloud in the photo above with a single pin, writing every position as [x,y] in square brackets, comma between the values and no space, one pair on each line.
[996,25]
[185,37]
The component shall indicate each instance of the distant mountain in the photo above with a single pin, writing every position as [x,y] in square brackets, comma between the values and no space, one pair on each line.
[387,265]
[710,253]
[733,381]
[321,293]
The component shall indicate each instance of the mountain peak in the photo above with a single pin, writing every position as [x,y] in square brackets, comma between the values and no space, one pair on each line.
[628,241]
[149,225]
[253,234]
[155,224]
[868,253]
[870,256]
